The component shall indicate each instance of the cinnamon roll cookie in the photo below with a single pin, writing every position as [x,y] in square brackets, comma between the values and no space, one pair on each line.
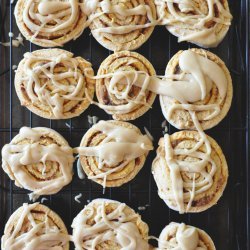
[52,83]
[38,159]
[181,236]
[122,25]
[190,171]
[202,85]
[124,101]
[113,152]
[35,226]
[108,224]
[202,22]
[50,23]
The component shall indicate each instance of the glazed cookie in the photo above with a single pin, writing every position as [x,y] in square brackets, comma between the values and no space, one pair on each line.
[38,159]
[122,25]
[208,89]
[35,226]
[52,83]
[108,224]
[202,22]
[50,23]
[123,101]
[113,152]
[190,171]
[181,236]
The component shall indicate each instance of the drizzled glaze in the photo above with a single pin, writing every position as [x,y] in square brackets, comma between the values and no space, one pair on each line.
[179,236]
[18,157]
[41,235]
[56,82]
[116,226]
[120,146]
[193,23]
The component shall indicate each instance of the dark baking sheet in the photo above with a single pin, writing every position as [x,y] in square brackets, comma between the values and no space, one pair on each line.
[228,222]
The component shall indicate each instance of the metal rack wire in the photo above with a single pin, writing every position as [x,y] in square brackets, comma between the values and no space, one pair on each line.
[228,222]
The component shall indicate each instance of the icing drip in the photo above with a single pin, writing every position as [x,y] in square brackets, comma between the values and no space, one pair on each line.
[77,197]
[199,74]
[41,235]
[120,146]
[15,42]
[193,21]
[54,82]
[181,237]
[21,157]
[115,226]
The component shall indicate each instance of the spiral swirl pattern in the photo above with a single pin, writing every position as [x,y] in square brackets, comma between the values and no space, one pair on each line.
[129,39]
[35,226]
[176,235]
[202,22]
[109,175]
[202,184]
[39,160]
[50,23]
[108,224]
[52,83]
[141,102]
[209,111]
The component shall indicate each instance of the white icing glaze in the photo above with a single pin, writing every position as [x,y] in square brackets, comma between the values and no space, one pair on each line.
[181,237]
[19,156]
[46,85]
[120,146]
[115,227]
[189,23]
[41,235]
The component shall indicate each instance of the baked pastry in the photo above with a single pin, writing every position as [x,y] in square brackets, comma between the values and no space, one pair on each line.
[38,159]
[108,224]
[208,91]
[35,226]
[113,152]
[202,22]
[52,83]
[123,101]
[181,236]
[190,171]
[50,23]
[122,25]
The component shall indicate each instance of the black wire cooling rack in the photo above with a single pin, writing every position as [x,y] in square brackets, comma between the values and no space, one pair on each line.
[228,222]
